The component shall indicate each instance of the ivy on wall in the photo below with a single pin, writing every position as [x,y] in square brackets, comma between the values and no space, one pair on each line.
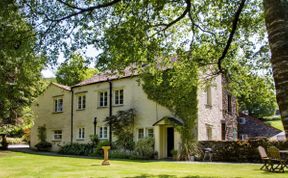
[175,87]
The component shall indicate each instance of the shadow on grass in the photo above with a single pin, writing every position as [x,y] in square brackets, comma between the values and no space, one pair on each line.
[166,176]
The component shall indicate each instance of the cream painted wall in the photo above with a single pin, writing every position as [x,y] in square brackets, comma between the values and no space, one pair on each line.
[43,109]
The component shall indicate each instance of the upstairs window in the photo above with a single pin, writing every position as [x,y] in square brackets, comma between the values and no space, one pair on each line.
[209,96]
[119,97]
[81,133]
[58,105]
[103,133]
[229,98]
[81,102]
[57,135]
[103,99]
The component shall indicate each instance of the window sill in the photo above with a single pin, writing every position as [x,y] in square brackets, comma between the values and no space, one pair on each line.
[56,140]
[80,109]
[102,107]
[80,139]
[208,106]
[58,112]
[118,105]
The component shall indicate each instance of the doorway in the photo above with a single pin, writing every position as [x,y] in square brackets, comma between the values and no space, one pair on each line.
[170,141]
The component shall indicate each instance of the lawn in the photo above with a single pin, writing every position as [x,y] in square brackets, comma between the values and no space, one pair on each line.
[15,164]
[275,123]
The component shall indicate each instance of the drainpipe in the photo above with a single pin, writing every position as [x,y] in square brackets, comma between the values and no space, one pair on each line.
[110,112]
[95,123]
[72,99]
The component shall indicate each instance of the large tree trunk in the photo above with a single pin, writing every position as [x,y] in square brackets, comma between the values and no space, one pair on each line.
[276,17]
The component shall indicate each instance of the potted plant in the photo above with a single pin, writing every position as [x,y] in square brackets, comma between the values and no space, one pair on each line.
[174,154]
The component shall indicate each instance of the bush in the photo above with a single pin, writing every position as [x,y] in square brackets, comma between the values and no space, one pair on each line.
[43,146]
[77,149]
[239,151]
[14,140]
[145,148]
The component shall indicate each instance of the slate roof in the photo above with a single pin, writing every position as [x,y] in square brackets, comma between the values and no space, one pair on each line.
[102,77]
[254,127]
[61,86]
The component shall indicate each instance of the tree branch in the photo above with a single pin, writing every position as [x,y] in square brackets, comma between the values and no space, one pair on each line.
[229,41]
[84,10]
[69,5]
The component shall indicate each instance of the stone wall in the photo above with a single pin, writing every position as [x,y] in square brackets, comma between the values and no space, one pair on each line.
[230,118]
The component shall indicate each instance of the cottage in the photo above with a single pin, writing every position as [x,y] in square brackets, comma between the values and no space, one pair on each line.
[71,114]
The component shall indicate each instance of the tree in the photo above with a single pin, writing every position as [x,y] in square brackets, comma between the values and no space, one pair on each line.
[74,71]
[20,67]
[276,16]
[141,32]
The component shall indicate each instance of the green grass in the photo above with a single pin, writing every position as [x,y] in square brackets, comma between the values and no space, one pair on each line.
[275,123]
[24,165]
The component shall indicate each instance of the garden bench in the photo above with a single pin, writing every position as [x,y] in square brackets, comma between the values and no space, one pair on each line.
[276,162]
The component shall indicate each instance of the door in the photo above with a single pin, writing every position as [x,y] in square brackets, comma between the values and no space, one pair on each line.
[170,141]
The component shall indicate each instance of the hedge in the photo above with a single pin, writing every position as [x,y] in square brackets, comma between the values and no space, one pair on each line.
[240,151]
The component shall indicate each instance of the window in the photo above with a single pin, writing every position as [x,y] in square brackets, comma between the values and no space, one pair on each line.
[58,105]
[140,133]
[103,133]
[229,103]
[81,102]
[103,96]
[119,97]
[223,131]
[150,133]
[209,96]
[81,133]
[209,132]
[244,137]
[57,135]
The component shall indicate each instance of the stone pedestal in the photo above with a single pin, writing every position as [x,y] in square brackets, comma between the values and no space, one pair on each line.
[106,155]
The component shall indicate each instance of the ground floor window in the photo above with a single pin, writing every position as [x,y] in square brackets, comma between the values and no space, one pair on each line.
[103,133]
[57,135]
[140,133]
[209,132]
[81,133]
[150,132]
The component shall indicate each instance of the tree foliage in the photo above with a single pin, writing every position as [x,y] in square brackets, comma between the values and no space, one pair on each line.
[20,67]
[123,127]
[74,71]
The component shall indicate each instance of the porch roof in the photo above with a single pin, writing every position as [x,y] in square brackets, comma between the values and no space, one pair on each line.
[171,119]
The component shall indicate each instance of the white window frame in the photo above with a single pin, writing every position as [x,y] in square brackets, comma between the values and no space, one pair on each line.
[81,102]
[119,97]
[142,134]
[209,132]
[58,106]
[209,95]
[103,132]
[103,98]
[149,135]
[81,133]
[57,135]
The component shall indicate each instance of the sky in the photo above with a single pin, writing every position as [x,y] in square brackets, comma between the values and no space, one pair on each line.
[48,72]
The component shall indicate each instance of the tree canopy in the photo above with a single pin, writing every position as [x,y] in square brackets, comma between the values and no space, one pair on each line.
[20,67]
[222,34]
[74,71]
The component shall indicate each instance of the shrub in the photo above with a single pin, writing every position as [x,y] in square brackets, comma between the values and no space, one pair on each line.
[145,148]
[43,145]
[239,151]
[77,149]
[14,140]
